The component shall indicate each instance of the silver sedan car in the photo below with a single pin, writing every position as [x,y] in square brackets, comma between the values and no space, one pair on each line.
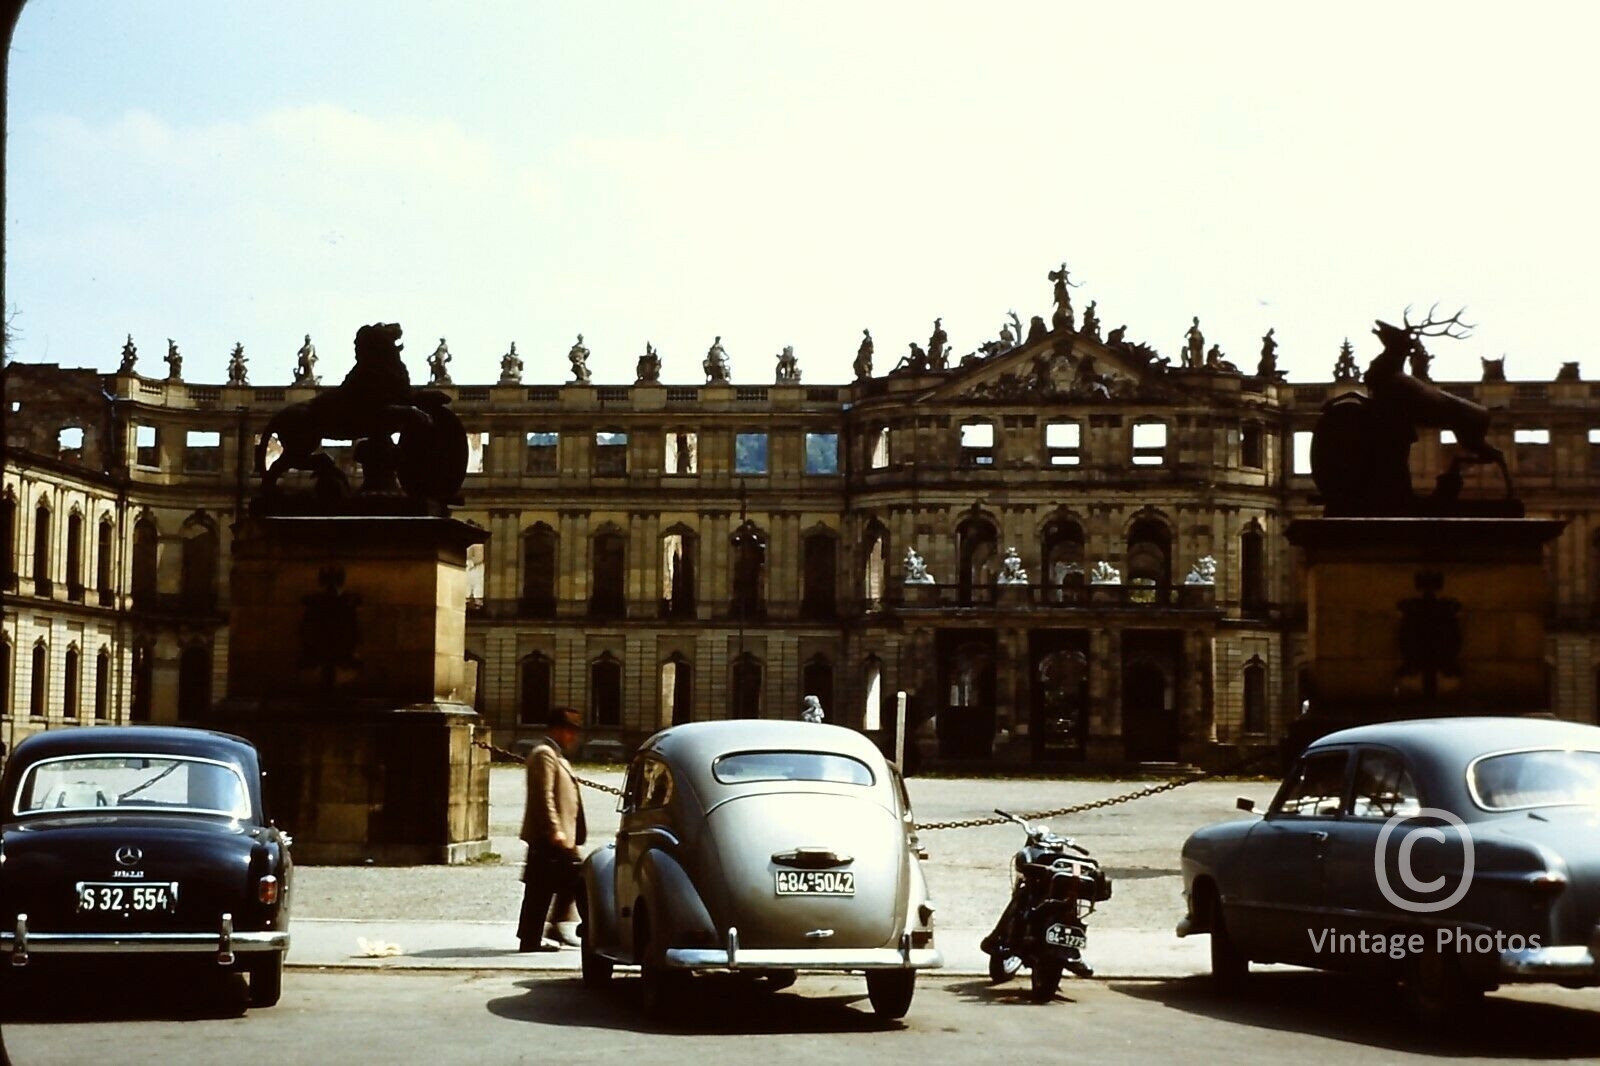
[760,847]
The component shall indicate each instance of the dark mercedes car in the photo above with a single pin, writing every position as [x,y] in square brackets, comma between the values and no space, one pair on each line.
[1453,854]
[144,841]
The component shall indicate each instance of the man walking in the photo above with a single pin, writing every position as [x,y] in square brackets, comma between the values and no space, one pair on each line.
[552,826]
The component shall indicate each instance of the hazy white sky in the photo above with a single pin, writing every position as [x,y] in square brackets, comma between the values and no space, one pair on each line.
[791,173]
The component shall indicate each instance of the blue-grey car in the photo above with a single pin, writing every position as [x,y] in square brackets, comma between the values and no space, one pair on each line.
[1452,854]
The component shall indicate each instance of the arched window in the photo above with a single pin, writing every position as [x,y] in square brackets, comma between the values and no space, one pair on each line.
[194,682]
[876,566]
[678,547]
[608,598]
[818,597]
[38,690]
[1063,559]
[75,556]
[8,535]
[872,706]
[744,687]
[146,541]
[104,560]
[69,684]
[539,572]
[816,679]
[975,552]
[1255,696]
[536,696]
[879,448]
[1252,575]
[102,685]
[1149,560]
[605,691]
[41,550]
[677,690]
[749,571]
[199,566]
[144,676]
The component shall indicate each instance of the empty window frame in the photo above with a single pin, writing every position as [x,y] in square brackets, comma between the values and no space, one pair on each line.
[477,449]
[146,445]
[750,453]
[682,453]
[1533,450]
[610,453]
[1063,443]
[977,443]
[1252,446]
[878,446]
[1302,451]
[202,451]
[541,449]
[1149,443]
[822,453]
[1594,456]
[69,442]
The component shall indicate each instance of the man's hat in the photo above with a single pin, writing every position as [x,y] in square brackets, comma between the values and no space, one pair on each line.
[565,717]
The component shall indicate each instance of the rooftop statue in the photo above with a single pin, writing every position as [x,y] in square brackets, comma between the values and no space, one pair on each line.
[305,370]
[938,346]
[174,361]
[648,372]
[1568,372]
[1091,321]
[130,356]
[1493,369]
[375,401]
[1361,445]
[578,356]
[914,361]
[238,373]
[441,357]
[1036,329]
[788,367]
[1062,318]
[1344,368]
[1216,361]
[511,366]
[863,365]
[1194,345]
[715,364]
[1268,367]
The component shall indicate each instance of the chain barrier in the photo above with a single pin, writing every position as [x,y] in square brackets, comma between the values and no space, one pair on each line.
[975,823]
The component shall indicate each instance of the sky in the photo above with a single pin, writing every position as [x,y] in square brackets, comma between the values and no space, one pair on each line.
[789,174]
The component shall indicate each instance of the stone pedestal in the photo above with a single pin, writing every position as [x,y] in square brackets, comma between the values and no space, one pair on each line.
[1417,617]
[347,668]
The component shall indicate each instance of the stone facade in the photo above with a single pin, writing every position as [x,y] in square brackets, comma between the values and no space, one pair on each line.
[660,553]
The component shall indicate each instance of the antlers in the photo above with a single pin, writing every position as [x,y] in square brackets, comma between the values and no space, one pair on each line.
[1432,327]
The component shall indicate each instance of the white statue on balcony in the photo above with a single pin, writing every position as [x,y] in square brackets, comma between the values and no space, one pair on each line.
[1105,574]
[1204,572]
[1011,571]
[916,569]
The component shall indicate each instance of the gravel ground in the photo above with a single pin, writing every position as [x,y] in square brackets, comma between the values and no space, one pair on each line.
[1137,842]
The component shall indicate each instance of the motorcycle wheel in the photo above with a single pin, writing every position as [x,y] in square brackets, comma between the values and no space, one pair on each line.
[1046,978]
[1003,967]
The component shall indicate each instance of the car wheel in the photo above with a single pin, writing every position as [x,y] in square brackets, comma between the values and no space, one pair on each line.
[1229,967]
[596,968]
[1003,967]
[890,991]
[1045,979]
[266,980]
[1436,990]
[658,986]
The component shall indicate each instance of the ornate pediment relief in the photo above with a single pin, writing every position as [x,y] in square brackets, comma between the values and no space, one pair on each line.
[1061,366]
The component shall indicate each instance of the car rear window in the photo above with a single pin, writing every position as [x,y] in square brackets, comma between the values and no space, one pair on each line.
[132,782]
[747,766]
[1546,778]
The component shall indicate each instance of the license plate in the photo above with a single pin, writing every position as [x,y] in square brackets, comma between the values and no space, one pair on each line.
[122,897]
[1062,936]
[816,883]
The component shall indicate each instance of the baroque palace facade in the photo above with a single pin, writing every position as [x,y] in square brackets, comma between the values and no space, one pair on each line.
[1064,550]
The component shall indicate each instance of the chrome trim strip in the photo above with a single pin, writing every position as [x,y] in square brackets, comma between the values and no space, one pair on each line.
[59,943]
[805,959]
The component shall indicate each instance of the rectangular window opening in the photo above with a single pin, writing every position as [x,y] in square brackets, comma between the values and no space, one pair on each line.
[880,449]
[610,453]
[1302,451]
[822,453]
[682,453]
[477,448]
[1149,443]
[750,453]
[146,448]
[202,451]
[542,452]
[1063,443]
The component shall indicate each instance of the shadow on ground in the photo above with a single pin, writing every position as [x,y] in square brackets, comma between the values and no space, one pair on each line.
[711,1004]
[83,991]
[1560,1024]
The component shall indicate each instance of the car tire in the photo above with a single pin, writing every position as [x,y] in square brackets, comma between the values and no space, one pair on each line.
[890,991]
[1003,967]
[1044,980]
[266,980]
[596,967]
[1229,966]
[659,987]
[1437,993]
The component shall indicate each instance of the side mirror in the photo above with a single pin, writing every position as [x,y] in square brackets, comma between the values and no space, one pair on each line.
[1245,804]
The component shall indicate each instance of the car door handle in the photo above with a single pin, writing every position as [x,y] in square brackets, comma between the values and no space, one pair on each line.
[1320,836]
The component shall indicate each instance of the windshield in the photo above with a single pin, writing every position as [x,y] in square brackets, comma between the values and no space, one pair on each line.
[750,766]
[1545,778]
[101,782]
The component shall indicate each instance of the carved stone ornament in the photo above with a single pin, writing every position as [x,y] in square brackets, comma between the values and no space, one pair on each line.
[1203,572]
[1011,570]
[916,569]
[1105,574]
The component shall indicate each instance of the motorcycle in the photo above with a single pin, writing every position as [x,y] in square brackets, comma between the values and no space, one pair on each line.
[1055,886]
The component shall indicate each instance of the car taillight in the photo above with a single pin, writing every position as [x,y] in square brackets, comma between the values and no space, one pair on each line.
[1547,883]
[267,890]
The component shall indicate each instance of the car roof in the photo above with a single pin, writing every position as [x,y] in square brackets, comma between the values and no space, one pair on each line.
[693,747]
[1467,738]
[141,739]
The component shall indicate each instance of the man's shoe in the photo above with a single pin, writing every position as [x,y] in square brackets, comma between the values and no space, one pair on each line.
[537,945]
[561,937]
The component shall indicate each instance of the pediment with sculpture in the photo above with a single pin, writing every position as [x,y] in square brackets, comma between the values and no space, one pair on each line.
[1063,366]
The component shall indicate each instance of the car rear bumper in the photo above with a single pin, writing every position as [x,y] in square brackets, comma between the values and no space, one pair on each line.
[734,957]
[1566,962]
[22,942]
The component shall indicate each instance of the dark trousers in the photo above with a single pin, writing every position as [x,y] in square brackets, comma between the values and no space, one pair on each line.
[549,877]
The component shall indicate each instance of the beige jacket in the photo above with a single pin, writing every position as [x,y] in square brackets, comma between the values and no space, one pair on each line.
[553,799]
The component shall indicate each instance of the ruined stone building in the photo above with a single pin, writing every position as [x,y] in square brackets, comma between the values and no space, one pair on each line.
[665,553]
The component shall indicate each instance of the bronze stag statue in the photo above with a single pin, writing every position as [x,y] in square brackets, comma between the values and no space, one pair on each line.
[406,440]
[1360,449]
